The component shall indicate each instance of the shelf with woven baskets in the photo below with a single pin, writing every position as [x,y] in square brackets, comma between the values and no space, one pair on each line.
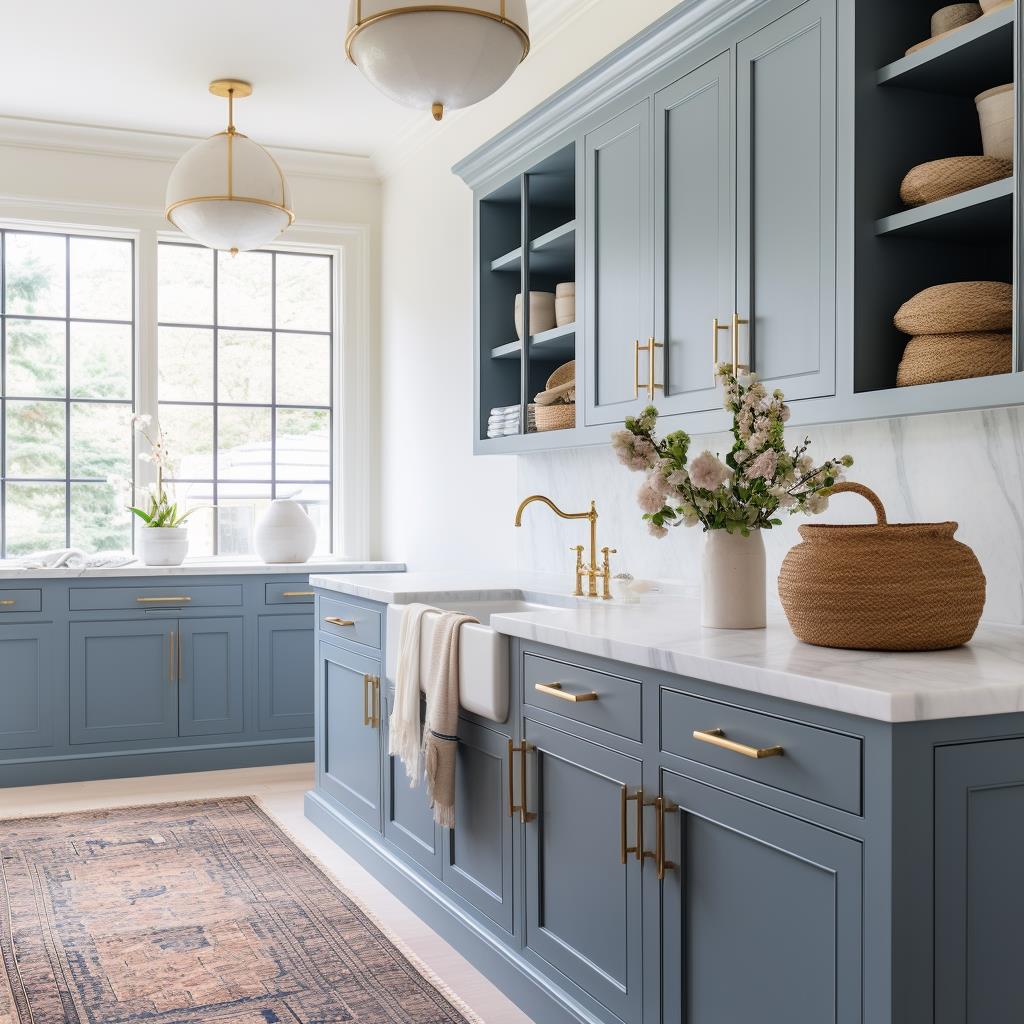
[978,215]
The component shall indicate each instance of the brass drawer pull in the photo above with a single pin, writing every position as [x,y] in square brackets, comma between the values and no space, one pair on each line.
[522,749]
[371,701]
[715,328]
[661,805]
[335,621]
[162,600]
[555,690]
[624,849]
[717,738]
[736,364]
[649,348]
[7,602]
[297,593]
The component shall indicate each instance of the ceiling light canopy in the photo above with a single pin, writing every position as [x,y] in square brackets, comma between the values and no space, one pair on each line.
[437,57]
[228,192]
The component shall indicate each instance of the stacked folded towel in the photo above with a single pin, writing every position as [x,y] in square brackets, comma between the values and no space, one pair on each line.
[505,420]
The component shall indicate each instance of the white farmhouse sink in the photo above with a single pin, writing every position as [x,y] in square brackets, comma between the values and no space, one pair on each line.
[483,654]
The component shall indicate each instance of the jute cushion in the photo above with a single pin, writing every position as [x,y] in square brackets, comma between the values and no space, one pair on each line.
[931,358]
[959,308]
[939,179]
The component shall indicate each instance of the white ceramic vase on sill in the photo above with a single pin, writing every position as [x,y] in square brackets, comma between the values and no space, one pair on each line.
[163,545]
[732,594]
[285,533]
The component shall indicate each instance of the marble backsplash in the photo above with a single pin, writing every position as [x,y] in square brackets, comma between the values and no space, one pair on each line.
[968,467]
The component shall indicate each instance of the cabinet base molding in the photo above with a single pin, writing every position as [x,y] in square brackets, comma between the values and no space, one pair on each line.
[132,763]
[534,994]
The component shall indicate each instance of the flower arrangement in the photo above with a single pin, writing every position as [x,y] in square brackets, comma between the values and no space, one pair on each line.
[160,512]
[758,478]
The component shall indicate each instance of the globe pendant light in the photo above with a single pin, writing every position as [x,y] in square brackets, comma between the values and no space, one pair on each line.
[227,192]
[437,57]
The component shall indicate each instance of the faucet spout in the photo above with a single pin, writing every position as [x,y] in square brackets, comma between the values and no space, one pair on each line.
[592,514]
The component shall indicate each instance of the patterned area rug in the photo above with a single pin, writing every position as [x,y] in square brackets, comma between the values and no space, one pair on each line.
[190,913]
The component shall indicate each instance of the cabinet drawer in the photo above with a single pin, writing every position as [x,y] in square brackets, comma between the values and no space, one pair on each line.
[150,598]
[21,600]
[350,621]
[815,763]
[601,700]
[289,593]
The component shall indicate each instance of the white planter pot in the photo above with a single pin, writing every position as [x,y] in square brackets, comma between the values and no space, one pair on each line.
[732,592]
[542,313]
[996,113]
[284,533]
[162,545]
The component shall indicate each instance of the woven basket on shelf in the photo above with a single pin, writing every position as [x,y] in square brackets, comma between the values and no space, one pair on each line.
[906,587]
[939,179]
[933,357]
[556,417]
[959,308]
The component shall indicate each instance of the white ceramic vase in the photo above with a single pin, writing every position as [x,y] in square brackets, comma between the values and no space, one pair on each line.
[732,594]
[162,545]
[996,113]
[542,313]
[284,533]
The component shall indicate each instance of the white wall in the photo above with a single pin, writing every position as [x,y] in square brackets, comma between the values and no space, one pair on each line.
[444,508]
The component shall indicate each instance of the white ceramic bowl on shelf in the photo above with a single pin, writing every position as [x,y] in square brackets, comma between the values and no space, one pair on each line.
[542,313]
[565,303]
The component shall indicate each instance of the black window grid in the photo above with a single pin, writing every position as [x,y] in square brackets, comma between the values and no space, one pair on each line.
[273,480]
[67,400]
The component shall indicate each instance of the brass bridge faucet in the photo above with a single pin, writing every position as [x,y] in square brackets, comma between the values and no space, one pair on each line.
[591,572]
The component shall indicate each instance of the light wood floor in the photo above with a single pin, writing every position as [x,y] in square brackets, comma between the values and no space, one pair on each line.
[280,790]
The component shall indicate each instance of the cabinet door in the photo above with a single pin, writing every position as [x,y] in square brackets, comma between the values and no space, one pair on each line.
[349,758]
[761,914]
[478,861]
[583,906]
[786,199]
[210,691]
[287,670]
[693,239]
[26,687]
[979,882]
[619,286]
[123,683]
[408,819]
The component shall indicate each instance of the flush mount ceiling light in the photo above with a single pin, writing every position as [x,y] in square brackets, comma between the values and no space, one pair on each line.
[437,57]
[227,192]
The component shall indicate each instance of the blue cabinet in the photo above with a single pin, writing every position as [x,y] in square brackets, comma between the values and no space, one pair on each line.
[209,656]
[26,686]
[123,683]
[287,669]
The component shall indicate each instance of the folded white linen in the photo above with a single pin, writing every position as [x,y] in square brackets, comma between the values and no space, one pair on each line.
[404,724]
[74,558]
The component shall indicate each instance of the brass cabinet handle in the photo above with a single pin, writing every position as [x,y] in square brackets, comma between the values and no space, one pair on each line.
[335,621]
[555,690]
[715,328]
[375,709]
[371,700]
[636,368]
[297,593]
[522,749]
[717,738]
[162,600]
[624,849]
[661,805]
[736,322]
[649,348]
[7,602]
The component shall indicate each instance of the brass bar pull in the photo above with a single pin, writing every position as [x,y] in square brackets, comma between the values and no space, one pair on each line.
[636,368]
[522,749]
[375,701]
[366,701]
[624,849]
[8,602]
[335,621]
[736,322]
[715,328]
[555,690]
[297,593]
[717,738]
[661,805]
[162,600]
[651,386]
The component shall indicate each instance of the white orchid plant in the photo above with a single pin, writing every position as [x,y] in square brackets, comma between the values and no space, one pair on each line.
[159,511]
[757,479]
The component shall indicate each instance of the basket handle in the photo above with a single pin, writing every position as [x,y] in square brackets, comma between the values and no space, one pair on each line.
[864,492]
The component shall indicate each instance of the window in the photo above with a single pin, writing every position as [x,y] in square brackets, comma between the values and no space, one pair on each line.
[67,387]
[245,357]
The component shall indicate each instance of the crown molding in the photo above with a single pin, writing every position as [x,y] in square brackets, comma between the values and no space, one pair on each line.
[163,147]
[683,28]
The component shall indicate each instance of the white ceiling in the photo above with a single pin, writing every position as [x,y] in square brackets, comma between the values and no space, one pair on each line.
[146,64]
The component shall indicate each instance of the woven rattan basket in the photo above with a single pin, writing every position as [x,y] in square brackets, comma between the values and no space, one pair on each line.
[934,357]
[556,417]
[939,179]
[958,308]
[906,587]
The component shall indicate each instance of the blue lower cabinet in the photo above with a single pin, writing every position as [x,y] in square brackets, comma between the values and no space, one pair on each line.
[287,670]
[478,863]
[349,759]
[26,687]
[761,913]
[210,676]
[583,906]
[123,683]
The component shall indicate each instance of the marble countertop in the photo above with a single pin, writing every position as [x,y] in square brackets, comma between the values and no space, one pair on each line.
[10,571]
[662,631]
